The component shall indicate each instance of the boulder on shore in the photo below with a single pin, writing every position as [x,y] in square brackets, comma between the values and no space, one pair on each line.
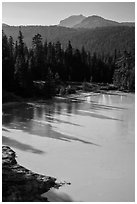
[20,184]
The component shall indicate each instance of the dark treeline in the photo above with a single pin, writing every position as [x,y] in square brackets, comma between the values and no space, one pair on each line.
[38,70]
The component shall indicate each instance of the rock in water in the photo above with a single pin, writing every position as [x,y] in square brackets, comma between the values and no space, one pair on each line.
[20,184]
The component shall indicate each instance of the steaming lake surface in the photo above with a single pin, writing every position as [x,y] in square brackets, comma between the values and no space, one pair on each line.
[89,143]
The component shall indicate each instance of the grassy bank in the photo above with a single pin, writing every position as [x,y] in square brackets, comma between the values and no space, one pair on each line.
[10,97]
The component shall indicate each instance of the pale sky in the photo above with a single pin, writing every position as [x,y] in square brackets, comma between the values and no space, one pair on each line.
[50,13]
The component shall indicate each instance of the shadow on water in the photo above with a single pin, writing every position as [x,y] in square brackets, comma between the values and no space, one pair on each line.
[6,130]
[70,138]
[19,145]
[99,116]
[108,107]
[46,131]
[49,118]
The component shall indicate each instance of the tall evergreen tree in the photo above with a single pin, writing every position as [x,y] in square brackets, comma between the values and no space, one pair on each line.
[69,60]
[38,68]
[5,62]
[21,66]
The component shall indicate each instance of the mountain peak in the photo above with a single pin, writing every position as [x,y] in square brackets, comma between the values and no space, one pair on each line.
[95,16]
[71,21]
[95,21]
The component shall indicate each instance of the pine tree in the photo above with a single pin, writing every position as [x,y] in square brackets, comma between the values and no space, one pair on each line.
[21,66]
[5,62]
[38,68]
[69,60]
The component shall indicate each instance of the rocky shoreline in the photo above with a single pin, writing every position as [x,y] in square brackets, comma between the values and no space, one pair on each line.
[20,184]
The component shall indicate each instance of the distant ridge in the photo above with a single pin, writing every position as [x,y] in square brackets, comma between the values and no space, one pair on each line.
[80,21]
[90,22]
[97,21]
[128,24]
[4,24]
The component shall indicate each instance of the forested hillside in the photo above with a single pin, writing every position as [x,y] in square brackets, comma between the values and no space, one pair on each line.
[101,40]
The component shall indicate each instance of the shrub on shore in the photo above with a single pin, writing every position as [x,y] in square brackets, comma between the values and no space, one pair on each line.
[67,90]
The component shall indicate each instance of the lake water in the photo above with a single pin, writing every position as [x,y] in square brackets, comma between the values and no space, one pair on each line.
[90,144]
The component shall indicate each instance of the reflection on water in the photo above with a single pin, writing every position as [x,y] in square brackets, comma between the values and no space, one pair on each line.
[55,196]
[89,142]
[42,121]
